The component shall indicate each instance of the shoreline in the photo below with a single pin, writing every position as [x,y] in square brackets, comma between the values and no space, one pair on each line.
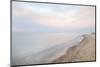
[74,53]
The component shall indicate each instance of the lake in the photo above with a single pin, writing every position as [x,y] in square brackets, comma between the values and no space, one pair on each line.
[24,44]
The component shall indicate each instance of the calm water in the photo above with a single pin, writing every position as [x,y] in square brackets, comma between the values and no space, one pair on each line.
[26,43]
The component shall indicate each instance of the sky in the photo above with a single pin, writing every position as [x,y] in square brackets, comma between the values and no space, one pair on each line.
[42,17]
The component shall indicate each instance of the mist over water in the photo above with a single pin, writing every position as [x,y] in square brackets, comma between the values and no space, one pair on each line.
[27,43]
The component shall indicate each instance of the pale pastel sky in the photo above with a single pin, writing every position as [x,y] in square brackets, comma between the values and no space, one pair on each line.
[42,17]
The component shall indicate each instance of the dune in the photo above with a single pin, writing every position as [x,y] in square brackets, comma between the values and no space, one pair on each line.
[83,51]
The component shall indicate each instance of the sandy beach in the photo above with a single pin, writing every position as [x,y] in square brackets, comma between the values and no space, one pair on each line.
[83,51]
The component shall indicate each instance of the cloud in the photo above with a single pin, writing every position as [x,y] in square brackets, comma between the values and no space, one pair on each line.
[63,17]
